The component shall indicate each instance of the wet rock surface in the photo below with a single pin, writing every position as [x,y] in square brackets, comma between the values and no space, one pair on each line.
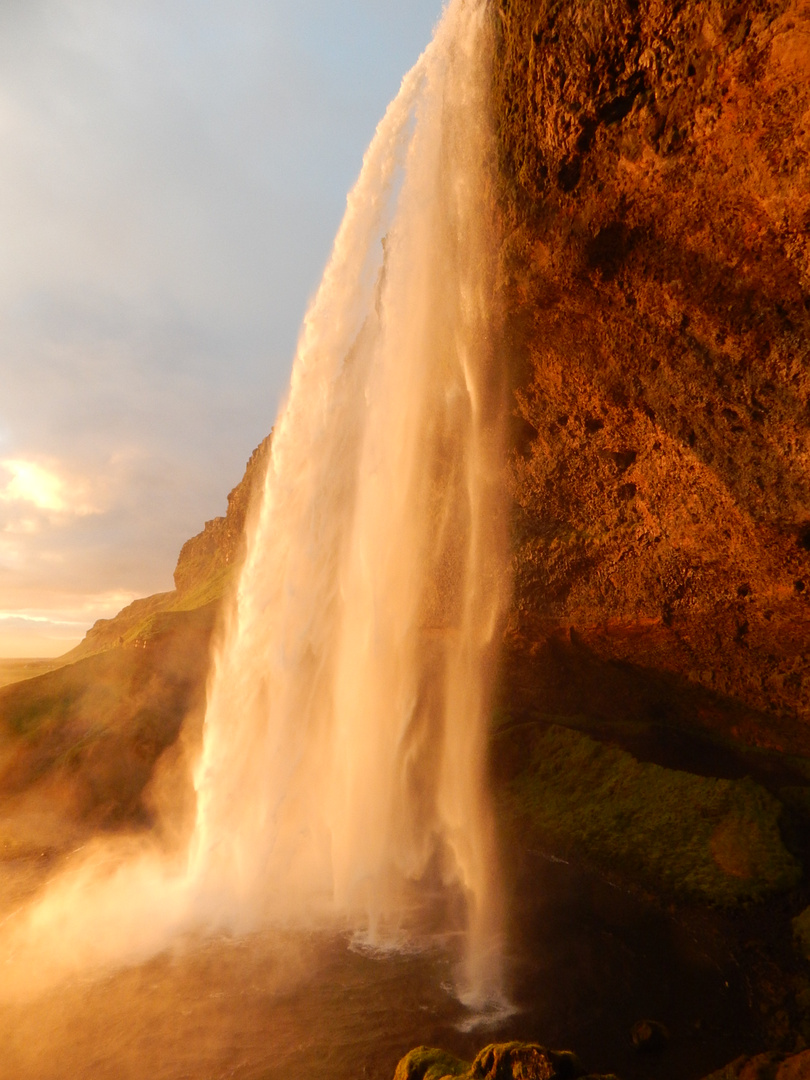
[767,1067]
[499,1061]
[530,1061]
[656,279]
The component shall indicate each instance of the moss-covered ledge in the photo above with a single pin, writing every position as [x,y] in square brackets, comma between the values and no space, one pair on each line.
[673,833]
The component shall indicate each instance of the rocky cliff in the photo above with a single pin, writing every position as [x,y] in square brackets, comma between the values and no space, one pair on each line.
[530,1061]
[655,193]
[220,547]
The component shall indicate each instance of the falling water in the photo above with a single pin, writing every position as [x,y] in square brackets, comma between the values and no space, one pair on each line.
[343,754]
[345,734]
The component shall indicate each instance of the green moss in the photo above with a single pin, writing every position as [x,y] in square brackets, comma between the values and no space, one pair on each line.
[152,616]
[212,588]
[689,836]
[72,755]
[26,715]
[498,1061]
[165,620]
[428,1063]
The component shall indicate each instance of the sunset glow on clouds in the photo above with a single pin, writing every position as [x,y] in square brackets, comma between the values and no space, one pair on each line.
[30,484]
[173,176]
[41,505]
[57,626]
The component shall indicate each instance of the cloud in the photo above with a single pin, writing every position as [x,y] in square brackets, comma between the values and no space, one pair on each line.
[55,621]
[173,176]
[31,484]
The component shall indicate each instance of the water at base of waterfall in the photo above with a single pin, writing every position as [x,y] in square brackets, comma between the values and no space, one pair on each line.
[584,962]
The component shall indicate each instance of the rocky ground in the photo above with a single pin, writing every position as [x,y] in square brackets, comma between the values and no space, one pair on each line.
[530,1061]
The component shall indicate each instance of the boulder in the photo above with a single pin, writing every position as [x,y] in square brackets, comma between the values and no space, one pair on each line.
[498,1061]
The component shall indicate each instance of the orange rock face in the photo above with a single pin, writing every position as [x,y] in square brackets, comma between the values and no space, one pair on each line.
[222,541]
[655,189]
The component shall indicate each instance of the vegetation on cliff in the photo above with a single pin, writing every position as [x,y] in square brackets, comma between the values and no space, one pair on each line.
[85,738]
[677,834]
[206,567]
[655,279]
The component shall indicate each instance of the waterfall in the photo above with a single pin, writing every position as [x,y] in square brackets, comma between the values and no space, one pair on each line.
[343,753]
[345,735]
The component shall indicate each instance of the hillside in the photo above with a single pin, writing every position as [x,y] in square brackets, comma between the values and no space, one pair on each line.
[83,736]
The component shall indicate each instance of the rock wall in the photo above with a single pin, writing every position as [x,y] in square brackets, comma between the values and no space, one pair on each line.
[655,190]
[221,544]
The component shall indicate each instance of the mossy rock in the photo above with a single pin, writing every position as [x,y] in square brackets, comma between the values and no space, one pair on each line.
[428,1063]
[687,836]
[519,1060]
[498,1061]
[212,588]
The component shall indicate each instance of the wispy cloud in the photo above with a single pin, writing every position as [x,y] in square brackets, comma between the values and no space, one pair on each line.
[15,620]
[55,621]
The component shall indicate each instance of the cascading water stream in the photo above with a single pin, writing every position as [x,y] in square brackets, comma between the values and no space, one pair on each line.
[344,738]
[343,753]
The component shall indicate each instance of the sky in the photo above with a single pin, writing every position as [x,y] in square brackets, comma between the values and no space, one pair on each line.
[172,175]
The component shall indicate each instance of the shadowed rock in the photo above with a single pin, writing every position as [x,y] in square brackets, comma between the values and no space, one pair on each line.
[499,1061]
[766,1067]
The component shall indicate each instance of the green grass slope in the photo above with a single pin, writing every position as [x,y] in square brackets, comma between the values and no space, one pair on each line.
[92,731]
